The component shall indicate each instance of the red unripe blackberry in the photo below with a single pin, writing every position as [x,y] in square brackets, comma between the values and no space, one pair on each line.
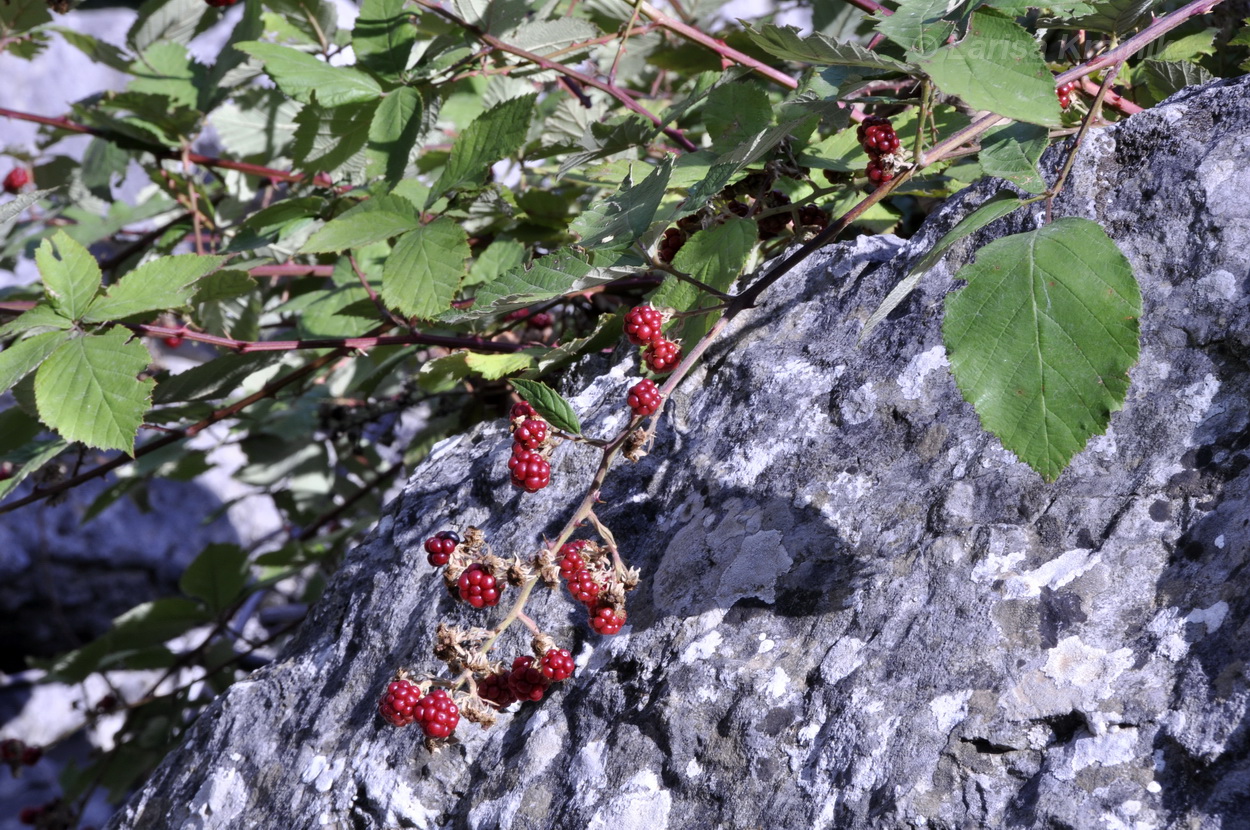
[31,755]
[673,239]
[17,179]
[571,557]
[643,397]
[662,356]
[478,587]
[527,681]
[531,433]
[642,325]
[876,172]
[522,409]
[1064,91]
[541,320]
[583,587]
[398,706]
[439,547]
[495,689]
[438,714]
[11,750]
[558,664]
[173,341]
[530,471]
[605,620]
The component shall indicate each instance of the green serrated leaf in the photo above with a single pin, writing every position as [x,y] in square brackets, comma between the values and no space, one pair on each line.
[494,134]
[39,319]
[999,205]
[13,208]
[165,283]
[1012,152]
[624,216]
[1164,79]
[99,51]
[383,38]
[88,390]
[70,274]
[1042,338]
[215,379]
[500,255]
[715,257]
[165,68]
[22,356]
[496,366]
[723,170]
[333,140]
[393,134]
[542,37]
[422,274]
[299,75]
[20,16]
[224,285]
[216,576]
[165,20]
[785,42]
[230,69]
[316,20]
[443,373]
[558,412]
[998,66]
[548,277]
[917,25]
[28,459]
[373,220]
[735,111]
[1114,16]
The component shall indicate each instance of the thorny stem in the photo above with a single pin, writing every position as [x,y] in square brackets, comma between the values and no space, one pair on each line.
[1080,136]
[538,60]
[349,343]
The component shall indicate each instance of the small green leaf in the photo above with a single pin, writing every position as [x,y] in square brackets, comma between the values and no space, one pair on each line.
[373,220]
[99,51]
[918,25]
[165,283]
[998,66]
[422,274]
[618,220]
[166,69]
[299,75]
[215,379]
[496,366]
[999,205]
[558,412]
[500,255]
[39,319]
[28,458]
[69,273]
[1114,16]
[165,20]
[88,390]
[737,111]
[548,277]
[383,37]
[216,576]
[224,285]
[1165,78]
[443,373]
[316,20]
[12,208]
[784,42]
[1012,151]
[333,140]
[21,358]
[393,133]
[494,134]
[715,257]
[1042,338]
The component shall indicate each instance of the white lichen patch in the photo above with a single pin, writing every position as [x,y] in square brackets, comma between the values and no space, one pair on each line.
[641,803]
[1212,617]
[1197,397]
[912,379]
[766,645]
[1220,284]
[322,772]
[223,797]
[1086,667]
[950,709]
[841,659]
[778,684]
[1117,746]
[702,648]
[1074,676]
[1053,574]
[859,405]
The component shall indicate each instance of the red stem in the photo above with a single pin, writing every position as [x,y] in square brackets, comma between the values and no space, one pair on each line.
[718,46]
[350,343]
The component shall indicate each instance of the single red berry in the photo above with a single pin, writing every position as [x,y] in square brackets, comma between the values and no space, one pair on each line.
[605,620]
[876,172]
[17,179]
[583,587]
[398,706]
[30,815]
[643,397]
[31,755]
[439,547]
[558,664]
[438,714]
[662,356]
[526,681]
[11,750]
[530,471]
[642,325]
[495,688]
[541,320]
[571,557]
[523,409]
[173,341]
[478,587]
[531,433]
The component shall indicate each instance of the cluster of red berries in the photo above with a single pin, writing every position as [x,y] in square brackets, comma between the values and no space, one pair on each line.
[642,328]
[478,586]
[17,179]
[674,238]
[528,679]
[530,469]
[439,547]
[643,398]
[587,588]
[403,704]
[477,583]
[879,141]
[17,753]
[1064,91]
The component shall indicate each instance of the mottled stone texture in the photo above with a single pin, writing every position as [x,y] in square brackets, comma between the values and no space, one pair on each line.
[857,610]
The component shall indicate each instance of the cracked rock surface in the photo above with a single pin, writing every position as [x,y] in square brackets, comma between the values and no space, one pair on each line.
[857,609]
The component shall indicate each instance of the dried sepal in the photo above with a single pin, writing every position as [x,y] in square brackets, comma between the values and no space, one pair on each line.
[541,644]
[476,710]
[634,444]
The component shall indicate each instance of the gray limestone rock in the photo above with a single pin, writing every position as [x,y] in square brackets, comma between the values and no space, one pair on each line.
[858,610]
